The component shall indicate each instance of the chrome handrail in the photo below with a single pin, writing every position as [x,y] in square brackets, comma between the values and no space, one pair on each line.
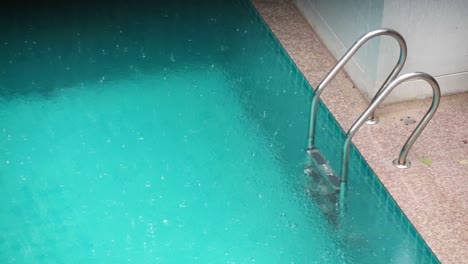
[401,161]
[346,57]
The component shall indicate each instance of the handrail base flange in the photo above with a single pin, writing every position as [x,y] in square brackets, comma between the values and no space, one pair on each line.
[397,164]
[372,121]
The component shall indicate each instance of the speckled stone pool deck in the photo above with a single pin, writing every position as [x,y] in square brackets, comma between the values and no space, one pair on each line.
[433,196]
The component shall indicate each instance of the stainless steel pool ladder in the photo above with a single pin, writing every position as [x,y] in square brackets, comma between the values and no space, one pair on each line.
[401,161]
[346,57]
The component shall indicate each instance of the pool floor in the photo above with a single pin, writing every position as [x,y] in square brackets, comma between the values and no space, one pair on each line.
[159,168]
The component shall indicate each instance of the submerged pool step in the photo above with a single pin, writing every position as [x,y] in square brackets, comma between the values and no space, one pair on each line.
[325,186]
[320,164]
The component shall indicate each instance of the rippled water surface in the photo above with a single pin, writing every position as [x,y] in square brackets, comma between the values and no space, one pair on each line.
[168,132]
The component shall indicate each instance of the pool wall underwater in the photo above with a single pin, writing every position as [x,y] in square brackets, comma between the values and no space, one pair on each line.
[173,133]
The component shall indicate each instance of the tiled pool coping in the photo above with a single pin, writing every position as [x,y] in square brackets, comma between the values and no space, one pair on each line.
[436,206]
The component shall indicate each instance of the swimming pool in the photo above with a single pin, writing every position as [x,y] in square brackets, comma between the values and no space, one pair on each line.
[172,133]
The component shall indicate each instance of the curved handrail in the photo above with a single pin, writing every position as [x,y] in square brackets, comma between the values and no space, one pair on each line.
[401,161]
[346,57]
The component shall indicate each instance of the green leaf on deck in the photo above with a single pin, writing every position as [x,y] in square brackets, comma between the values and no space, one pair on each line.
[426,161]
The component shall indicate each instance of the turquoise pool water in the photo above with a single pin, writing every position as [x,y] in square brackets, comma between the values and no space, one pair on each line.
[172,133]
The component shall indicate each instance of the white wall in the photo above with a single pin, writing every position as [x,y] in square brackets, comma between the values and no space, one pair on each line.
[339,23]
[436,33]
